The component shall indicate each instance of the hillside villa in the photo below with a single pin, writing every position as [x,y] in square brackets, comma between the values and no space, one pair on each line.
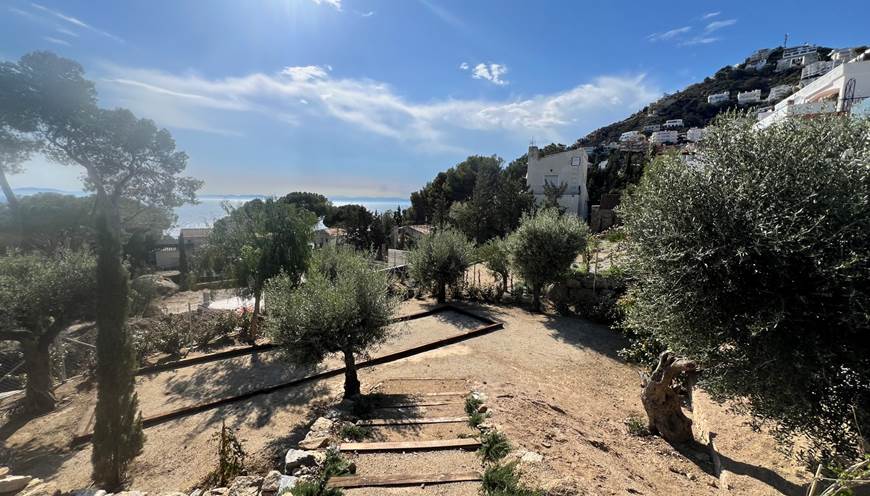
[568,167]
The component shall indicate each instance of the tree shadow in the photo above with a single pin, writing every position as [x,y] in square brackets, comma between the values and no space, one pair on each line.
[583,333]
[698,453]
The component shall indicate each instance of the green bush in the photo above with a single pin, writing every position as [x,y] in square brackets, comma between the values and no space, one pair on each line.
[753,259]
[439,260]
[504,480]
[493,446]
[354,432]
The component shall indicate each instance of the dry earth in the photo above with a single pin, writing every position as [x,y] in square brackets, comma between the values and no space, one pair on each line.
[555,385]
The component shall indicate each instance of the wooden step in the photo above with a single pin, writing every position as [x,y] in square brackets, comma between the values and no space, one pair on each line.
[419,404]
[411,421]
[351,481]
[438,444]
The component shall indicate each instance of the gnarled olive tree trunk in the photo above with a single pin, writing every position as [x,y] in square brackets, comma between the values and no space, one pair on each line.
[662,401]
[351,381]
[39,397]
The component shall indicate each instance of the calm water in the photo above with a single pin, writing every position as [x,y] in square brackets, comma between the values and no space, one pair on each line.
[211,208]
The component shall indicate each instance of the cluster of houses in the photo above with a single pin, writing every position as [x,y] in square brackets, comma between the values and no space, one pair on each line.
[671,132]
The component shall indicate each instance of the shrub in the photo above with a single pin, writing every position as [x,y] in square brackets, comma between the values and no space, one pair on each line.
[231,457]
[334,464]
[753,260]
[504,480]
[314,488]
[493,446]
[636,426]
[354,432]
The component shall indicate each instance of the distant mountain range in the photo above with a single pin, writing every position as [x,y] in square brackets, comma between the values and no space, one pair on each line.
[26,191]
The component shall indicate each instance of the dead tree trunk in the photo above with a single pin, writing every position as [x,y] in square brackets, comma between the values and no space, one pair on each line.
[662,401]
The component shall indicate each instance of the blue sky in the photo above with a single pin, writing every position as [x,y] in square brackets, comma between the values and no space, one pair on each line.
[374,97]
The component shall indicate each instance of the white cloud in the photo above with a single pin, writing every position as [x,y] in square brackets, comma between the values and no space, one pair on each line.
[56,41]
[464,66]
[334,3]
[307,72]
[667,35]
[700,40]
[713,26]
[75,21]
[193,102]
[67,32]
[492,73]
[709,15]
[366,14]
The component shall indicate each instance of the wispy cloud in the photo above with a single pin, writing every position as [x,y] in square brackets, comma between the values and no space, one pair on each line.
[715,25]
[489,72]
[710,15]
[56,41]
[310,94]
[700,40]
[444,14]
[366,14]
[334,3]
[667,35]
[75,21]
[67,32]
[463,66]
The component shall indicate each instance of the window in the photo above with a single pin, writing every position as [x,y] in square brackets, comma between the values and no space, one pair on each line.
[575,161]
[552,180]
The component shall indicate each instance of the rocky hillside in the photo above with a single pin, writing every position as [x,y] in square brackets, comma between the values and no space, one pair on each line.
[691,104]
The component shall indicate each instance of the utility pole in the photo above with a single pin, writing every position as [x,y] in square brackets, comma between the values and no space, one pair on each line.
[785,41]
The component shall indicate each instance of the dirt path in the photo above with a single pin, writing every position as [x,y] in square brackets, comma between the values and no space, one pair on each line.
[555,385]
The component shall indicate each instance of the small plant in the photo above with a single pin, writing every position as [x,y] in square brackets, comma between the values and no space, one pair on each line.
[231,457]
[504,480]
[334,465]
[472,404]
[636,426]
[354,432]
[493,446]
[314,488]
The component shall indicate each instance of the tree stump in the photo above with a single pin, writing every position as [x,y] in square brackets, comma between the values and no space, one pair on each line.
[662,401]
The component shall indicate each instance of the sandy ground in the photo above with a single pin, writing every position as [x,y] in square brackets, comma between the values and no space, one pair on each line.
[554,383]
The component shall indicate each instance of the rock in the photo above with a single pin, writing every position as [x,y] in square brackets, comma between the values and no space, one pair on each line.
[89,492]
[478,395]
[131,493]
[531,457]
[482,409]
[332,414]
[314,442]
[172,493]
[245,485]
[297,458]
[196,492]
[218,491]
[287,483]
[14,483]
[41,488]
[160,284]
[322,425]
[4,471]
[271,482]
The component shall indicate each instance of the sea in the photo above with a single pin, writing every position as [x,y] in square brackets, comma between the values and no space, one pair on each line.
[210,208]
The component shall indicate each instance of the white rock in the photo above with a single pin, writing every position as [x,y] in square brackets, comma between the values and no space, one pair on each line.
[288,482]
[245,485]
[271,483]
[4,471]
[321,425]
[196,492]
[14,483]
[297,458]
[531,457]
[313,442]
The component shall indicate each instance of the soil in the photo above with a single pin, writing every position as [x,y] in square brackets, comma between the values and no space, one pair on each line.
[554,384]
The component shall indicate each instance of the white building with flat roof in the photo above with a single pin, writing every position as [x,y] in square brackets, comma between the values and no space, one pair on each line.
[816,69]
[779,92]
[568,167]
[798,51]
[672,123]
[747,97]
[836,91]
[663,137]
[651,128]
[630,136]
[695,134]
[719,98]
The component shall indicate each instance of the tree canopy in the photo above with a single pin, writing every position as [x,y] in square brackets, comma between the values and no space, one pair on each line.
[343,306]
[753,260]
[543,248]
[439,260]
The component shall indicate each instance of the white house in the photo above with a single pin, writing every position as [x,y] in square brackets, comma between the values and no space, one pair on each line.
[630,136]
[719,98]
[662,137]
[779,92]
[651,128]
[798,51]
[672,123]
[747,97]
[797,61]
[836,91]
[843,55]
[760,54]
[695,134]
[568,167]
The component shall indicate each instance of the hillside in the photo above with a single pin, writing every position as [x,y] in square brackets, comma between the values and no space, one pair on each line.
[691,104]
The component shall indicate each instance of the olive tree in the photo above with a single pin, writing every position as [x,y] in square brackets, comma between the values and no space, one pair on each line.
[261,239]
[121,157]
[40,296]
[495,256]
[543,248]
[440,260]
[344,306]
[752,259]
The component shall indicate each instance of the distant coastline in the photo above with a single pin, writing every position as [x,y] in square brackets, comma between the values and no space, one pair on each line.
[211,207]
